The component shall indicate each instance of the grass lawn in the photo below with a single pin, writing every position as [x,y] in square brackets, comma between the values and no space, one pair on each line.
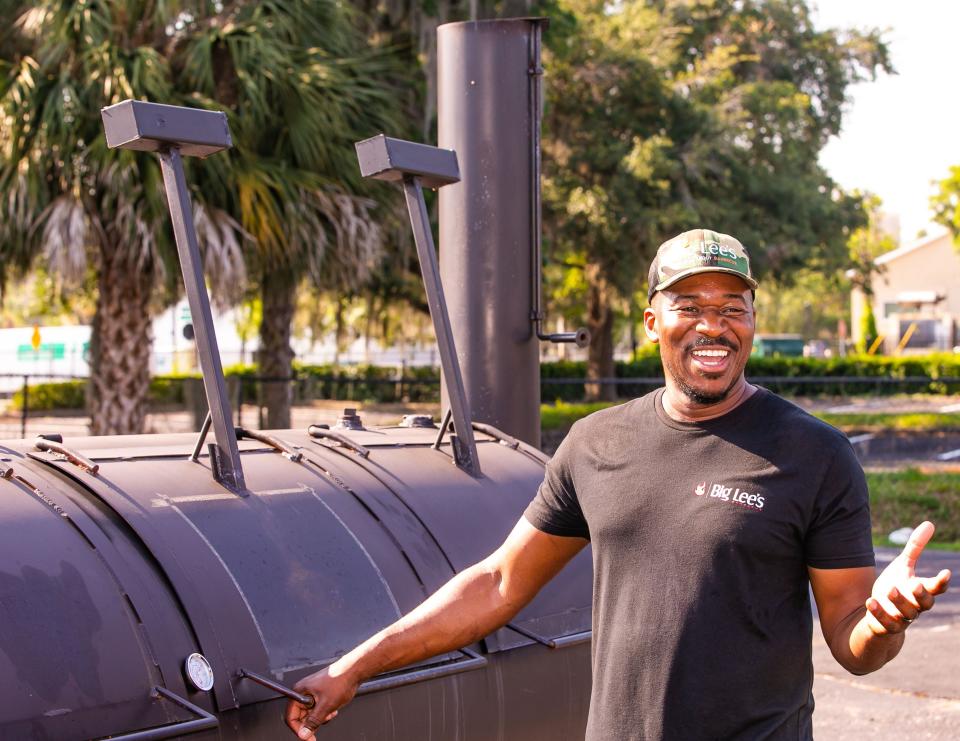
[563,414]
[880,422]
[907,498]
[898,498]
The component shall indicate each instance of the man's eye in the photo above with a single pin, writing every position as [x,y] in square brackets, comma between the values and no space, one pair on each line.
[688,309]
[733,311]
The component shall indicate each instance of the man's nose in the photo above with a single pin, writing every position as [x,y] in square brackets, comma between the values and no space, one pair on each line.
[711,323]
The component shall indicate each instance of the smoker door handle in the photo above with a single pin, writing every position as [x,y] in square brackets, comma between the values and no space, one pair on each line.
[473,661]
[204,722]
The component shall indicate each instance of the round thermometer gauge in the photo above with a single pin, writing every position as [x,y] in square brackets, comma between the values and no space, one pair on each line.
[199,672]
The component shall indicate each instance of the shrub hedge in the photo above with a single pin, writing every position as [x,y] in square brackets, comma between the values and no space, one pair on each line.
[562,380]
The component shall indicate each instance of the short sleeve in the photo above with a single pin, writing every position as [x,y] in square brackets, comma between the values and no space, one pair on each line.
[555,509]
[839,535]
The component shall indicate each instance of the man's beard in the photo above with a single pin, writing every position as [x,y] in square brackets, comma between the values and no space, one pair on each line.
[701,397]
[696,395]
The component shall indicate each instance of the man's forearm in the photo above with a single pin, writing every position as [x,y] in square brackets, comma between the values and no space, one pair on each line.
[467,608]
[860,649]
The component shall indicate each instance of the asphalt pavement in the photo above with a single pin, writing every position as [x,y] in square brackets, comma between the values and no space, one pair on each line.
[915,696]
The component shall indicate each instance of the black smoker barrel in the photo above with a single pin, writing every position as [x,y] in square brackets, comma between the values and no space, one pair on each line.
[487,70]
[124,558]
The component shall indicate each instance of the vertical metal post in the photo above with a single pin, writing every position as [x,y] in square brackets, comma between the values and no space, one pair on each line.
[465,447]
[226,452]
[26,406]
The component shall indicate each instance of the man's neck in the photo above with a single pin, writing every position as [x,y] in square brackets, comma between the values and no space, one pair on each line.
[681,408]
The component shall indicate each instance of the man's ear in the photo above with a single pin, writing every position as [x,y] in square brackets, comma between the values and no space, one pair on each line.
[650,325]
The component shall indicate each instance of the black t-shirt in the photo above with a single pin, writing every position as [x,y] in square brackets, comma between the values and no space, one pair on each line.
[702,534]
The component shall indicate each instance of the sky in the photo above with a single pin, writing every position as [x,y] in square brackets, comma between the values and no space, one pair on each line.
[902,131]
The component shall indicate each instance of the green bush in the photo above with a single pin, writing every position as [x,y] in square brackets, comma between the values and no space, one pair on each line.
[381,384]
[777,373]
[54,395]
[368,383]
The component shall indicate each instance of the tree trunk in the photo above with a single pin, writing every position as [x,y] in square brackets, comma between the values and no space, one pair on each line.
[120,349]
[276,356]
[600,324]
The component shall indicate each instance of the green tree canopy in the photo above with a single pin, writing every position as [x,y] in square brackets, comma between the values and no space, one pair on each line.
[946,203]
[299,86]
[670,115]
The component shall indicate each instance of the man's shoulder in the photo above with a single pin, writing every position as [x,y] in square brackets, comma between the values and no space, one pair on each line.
[625,413]
[799,420]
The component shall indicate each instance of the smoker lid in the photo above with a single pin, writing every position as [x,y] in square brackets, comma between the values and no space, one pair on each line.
[75,655]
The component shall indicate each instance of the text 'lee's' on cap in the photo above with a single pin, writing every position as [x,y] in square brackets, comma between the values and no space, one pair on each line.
[698,251]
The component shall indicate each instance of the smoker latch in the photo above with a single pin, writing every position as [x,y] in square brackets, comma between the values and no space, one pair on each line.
[321,432]
[54,444]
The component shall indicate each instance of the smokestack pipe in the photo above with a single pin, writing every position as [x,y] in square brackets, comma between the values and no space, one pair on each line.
[488,93]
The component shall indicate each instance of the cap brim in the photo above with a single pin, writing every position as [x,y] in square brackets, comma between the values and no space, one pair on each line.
[703,269]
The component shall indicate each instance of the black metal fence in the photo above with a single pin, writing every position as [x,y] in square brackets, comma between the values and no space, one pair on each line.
[34,403]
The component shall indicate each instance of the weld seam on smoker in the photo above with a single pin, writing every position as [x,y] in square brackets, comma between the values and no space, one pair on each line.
[327,475]
[399,497]
[421,570]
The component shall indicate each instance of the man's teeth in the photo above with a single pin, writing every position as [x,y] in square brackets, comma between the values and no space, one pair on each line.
[711,353]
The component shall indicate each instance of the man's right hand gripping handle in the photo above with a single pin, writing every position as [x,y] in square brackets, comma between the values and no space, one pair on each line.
[331,690]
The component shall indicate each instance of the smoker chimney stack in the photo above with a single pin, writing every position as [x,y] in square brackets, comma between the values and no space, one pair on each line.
[489,114]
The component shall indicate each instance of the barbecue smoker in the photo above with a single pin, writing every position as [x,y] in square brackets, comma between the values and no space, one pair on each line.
[155,587]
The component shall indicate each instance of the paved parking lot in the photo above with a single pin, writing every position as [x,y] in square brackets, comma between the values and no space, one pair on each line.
[917,695]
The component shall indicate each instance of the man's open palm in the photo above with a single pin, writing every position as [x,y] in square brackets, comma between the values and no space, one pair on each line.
[899,595]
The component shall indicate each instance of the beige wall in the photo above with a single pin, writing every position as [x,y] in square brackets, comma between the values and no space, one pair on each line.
[931,266]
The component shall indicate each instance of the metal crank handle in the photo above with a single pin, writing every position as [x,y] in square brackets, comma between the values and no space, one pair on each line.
[307,701]
[581,337]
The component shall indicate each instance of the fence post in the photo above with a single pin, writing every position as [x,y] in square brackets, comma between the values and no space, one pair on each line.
[26,406]
[259,382]
[240,400]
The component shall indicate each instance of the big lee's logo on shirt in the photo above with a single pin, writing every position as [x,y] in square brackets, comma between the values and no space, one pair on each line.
[734,495]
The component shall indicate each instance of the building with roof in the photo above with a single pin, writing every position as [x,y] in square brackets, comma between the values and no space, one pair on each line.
[916,300]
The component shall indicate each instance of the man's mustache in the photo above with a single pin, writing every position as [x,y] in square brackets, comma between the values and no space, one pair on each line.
[711,342]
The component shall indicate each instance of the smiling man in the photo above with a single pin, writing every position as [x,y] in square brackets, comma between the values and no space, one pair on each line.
[712,507]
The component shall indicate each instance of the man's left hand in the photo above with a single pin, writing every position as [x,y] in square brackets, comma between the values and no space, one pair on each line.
[899,595]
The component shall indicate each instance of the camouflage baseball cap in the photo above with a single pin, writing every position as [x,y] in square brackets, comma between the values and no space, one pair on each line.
[698,251]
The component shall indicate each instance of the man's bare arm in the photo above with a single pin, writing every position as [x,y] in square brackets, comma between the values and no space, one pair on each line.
[470,606]
[863,617]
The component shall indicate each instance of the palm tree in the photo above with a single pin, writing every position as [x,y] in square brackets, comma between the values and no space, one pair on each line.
[296,82]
